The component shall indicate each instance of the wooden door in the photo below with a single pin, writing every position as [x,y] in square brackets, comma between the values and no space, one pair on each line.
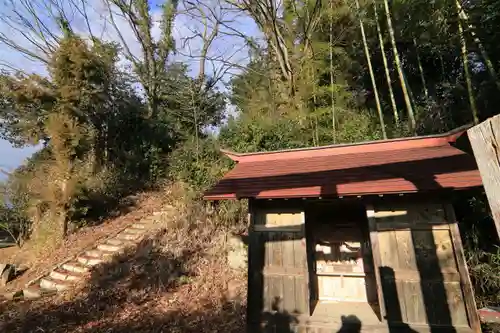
[278,269]
[418,265]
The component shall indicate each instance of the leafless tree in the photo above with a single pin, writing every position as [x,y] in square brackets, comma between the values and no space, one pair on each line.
[213,39]
[34,27]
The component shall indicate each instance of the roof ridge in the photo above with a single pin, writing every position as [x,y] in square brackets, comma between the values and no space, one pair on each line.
[449,137]
[344,153]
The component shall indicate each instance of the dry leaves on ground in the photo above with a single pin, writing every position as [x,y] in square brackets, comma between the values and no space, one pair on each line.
[179,285]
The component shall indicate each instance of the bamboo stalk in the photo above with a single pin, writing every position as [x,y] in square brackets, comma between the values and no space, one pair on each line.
[372,76]
[399,67]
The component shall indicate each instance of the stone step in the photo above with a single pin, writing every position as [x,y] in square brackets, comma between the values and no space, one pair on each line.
[128,237]
[75,267]
[140,225]
[97,253]
[160,213]
[35,291]
[31,293]
[11,295]
[134,231]
[149,220]
[111,248]
[121,242]
[89,261]
[93,253]
[49,283]
[64,275]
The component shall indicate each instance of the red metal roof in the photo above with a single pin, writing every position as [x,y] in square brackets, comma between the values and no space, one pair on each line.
[378,167]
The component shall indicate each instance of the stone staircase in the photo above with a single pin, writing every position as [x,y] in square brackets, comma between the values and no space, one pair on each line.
[76,269]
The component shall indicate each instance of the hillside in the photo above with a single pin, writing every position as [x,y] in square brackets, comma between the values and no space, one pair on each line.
[175,281]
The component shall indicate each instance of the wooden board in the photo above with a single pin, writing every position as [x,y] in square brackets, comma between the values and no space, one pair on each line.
[468,292]
[344,288]
[278,270]
[485,141]
[418,269]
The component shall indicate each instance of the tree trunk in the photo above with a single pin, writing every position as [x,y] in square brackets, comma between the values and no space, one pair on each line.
[386,66]
[411,115]
[62,213]
[151,103]
[314,107]
[443,73]
[421,69]
[63,224]
[372,76]
[332,93]
[465,63]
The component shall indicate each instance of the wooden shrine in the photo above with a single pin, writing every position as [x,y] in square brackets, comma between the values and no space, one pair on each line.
[356,238]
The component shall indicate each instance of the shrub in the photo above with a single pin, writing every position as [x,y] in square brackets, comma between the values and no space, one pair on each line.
[484,270]
[480,246]
[198,163]
[192,212]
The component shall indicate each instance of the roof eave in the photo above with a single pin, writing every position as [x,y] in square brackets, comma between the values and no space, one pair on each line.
[232,155]
[234,196]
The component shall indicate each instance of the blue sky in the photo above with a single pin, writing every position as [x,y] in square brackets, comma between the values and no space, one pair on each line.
[185,27]
[12,157]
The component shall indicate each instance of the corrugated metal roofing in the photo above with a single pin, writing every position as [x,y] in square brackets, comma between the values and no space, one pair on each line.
[383,167]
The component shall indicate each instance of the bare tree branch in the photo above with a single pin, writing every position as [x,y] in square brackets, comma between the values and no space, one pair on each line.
[35,26]
[130,56]
[152,66]
[280,33]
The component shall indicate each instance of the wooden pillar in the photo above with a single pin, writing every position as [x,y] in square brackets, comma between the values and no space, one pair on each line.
[370,214]
[485,142]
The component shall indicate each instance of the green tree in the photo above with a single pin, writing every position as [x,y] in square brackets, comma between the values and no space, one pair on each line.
[71,111]
[189,106]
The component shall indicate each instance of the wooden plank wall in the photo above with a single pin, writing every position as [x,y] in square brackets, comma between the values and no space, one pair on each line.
[277,265]
[416,253]
[285,273]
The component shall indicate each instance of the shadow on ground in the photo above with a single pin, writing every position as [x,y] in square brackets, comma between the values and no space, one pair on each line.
[94,209]
[146,290]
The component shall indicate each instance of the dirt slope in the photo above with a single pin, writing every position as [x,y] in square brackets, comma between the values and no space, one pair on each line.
[174,282]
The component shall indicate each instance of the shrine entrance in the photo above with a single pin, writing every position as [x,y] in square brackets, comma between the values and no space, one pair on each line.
[340,255]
